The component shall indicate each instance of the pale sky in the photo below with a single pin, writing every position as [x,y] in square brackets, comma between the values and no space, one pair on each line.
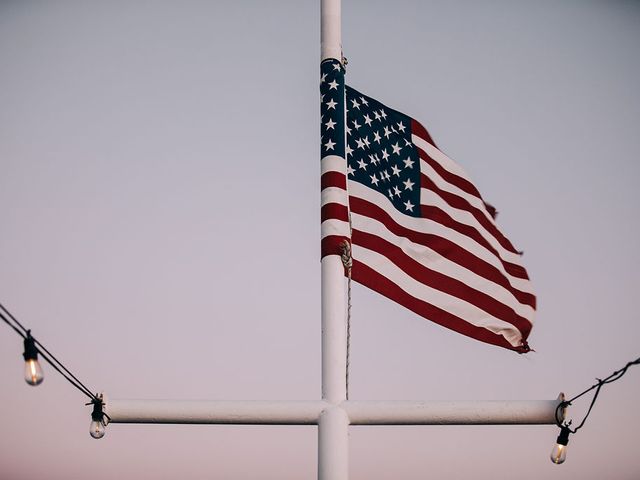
[160,225]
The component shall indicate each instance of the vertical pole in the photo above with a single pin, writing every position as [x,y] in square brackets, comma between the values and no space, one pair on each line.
[330,30]
[334,336]
[333,444]
[333,425]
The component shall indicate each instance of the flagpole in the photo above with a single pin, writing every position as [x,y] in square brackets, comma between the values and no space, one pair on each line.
[333,424]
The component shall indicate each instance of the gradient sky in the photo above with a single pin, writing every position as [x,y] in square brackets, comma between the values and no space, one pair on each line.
[159,213]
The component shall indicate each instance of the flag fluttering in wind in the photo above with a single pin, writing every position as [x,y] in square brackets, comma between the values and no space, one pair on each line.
[420,232]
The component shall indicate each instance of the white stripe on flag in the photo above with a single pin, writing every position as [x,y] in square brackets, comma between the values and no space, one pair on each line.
[334,195]
[434,261]
[440,157]
[454,305]
[333,163]
[423,225]
[429,198]
[334,227]
[442,184]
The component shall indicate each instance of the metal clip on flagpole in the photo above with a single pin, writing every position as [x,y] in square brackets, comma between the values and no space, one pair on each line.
[333,413]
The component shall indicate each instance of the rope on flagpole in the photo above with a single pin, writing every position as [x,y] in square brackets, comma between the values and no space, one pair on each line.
[347,261]
[345,248]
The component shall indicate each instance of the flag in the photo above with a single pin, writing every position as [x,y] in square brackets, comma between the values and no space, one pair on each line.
[421,234]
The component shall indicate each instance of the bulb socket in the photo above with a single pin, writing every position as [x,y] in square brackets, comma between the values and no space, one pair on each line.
[563,438]
[97,415]
[30,349]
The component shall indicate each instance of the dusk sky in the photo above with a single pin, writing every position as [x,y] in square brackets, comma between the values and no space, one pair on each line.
[160,228]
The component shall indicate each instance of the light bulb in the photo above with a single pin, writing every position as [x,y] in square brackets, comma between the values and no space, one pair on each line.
[33,372]
[559,452]
[97,429]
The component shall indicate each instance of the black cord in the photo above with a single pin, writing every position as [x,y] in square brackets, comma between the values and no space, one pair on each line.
[84,388]
[598,386]
[49,357]
[15,320]
[12,326]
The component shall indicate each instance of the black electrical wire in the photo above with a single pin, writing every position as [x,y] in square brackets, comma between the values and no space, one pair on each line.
[79,385]
[48,356]
[18,331]
[84,389]
[598,386]
[55,363]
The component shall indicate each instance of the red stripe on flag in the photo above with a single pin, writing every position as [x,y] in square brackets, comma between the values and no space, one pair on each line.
[419,130]
[375,281]
[444,247]
[334,211]
[463,204]
[462,183]
[333,179]
[440,281]
[438,215]
[331,245]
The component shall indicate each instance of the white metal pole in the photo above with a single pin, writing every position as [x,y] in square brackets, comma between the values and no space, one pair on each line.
[330,30]
[317,412]
[214,412]
[334,331]
[333,444]
[519,412]
[333,425]
[333,308]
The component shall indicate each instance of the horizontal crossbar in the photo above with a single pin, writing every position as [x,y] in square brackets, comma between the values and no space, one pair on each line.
[520,412]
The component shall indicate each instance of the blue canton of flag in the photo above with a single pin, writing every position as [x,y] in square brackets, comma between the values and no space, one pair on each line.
[380,153]
[331,106]
[335,229]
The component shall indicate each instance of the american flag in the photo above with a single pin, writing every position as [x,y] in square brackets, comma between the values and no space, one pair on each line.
[420,232]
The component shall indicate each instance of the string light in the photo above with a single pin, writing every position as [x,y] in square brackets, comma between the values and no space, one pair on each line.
[97,427]
[33,374]
[559,452]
